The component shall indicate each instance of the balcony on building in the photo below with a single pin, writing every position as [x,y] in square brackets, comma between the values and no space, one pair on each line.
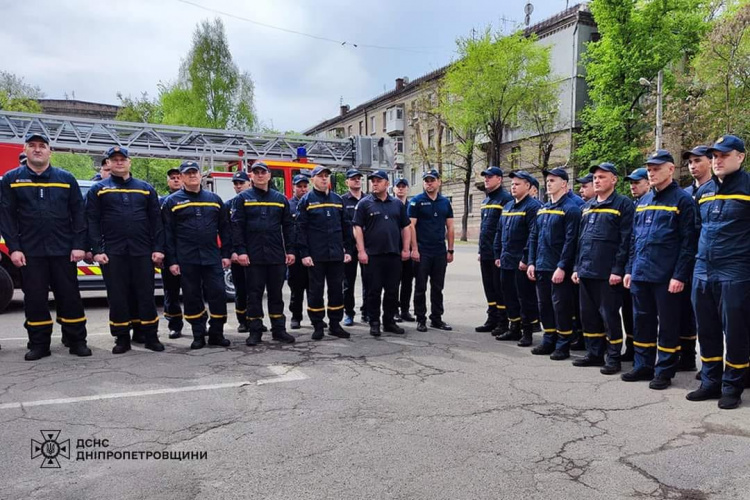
[394,120]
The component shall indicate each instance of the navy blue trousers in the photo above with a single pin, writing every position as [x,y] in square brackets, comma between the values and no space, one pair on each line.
[600,317]
[556,310]
[656,322]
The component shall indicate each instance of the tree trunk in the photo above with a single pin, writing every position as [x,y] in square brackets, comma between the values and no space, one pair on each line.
[467,186]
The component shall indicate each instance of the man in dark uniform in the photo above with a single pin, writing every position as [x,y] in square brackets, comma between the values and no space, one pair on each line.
[587,187]
[586,192]
[552,250]
[721,279]
[511,255]
[325,243]
[639,186]
[43,222]
[431,217]
[382,232]
[171,282]
[401,192]
[298,276]
[127,238]
[603,249]
[193,219]
[699,164]
[491,209]
[662,251]
[351,198]
[240,183]
[262,239]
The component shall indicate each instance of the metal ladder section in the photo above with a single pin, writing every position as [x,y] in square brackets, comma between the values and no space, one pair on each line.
[83,135]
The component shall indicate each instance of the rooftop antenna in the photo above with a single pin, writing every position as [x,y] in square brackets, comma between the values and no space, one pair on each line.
[528,9]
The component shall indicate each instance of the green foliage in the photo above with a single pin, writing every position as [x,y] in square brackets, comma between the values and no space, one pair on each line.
[153,171]
[80,165]
[17,95]
[494,78]
[140,109]
[637,40]
[210,91]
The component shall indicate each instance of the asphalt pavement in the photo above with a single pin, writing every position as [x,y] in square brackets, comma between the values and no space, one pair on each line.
[438,415]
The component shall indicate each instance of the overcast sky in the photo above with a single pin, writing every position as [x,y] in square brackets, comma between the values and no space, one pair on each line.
[96,48]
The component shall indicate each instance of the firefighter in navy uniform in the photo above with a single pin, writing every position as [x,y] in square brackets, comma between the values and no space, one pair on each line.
[603,249]
[298,276]
[240,183]
[262,230]
[170,282]
[721,279]
[406,285]
[699,165]
[585,193]
[639,186]
[552,251]
[43,221]
[491,208]
[662,252]
[193,218]
[382,232]
[351,198]
[127,238]
[511,255]
[325,244]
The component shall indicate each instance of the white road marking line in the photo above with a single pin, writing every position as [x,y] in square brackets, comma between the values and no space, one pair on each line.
[283,374]
[402,342]
[59,336]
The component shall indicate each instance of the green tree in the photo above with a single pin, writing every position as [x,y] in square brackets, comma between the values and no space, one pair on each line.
[495,77]
[723,69]
[637,40]
[17,95]
[210,90]
[139,109]
[80,165]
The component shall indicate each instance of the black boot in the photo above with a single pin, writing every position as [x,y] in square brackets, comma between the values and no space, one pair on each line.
[152,343]
[254,338]
[80,349]
[500,329]
[199,341]
[37,353]
[393,328]
[579,342]
[318,332]
[283,337]
[336,331]
[122,344]
[488,326]
[514,333]
[528,332]
[375,329]
[407,317]
[217,339]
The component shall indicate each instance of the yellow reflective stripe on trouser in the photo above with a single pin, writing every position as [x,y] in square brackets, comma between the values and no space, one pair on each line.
[150,321]
[550,330]
[316,309]
[167,315]
[694,337]
[74,320]
[251,318]
[737,367]
[670,349]
[644,344]
[240,311]
[500,306]
[335,308]
[218,315]
[126,323]
[566,332]
[514,319]
[712,360]
[594,334]
[491,303]
[195,316]
[39,323]
[275,316]
[618,341]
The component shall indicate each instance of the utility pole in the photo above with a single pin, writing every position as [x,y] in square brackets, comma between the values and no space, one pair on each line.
[659,124]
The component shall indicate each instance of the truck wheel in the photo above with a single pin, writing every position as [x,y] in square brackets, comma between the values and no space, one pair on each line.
[6,289]
[229,284]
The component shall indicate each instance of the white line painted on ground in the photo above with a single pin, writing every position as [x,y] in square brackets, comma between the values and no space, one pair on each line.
[283,374]
[59,336]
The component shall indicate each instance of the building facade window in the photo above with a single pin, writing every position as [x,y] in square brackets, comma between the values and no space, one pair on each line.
[515,157]
[349,130]
[361,127]
[384,120]
[399,145]
[431,138]
[372,125]
[449,136]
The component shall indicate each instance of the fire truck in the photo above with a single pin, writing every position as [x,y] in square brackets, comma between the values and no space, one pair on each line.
[219,152]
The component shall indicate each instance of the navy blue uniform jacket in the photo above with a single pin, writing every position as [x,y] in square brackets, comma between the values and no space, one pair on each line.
[554,236]
[512,236]
[262,226]
[491,208]
[324,231]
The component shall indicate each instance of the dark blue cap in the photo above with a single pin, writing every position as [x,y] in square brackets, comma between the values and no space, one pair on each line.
[728,143]
[300,178]
[261,165]
[659,157]
[240,176]
[522,174]
[493,171]
[173,170]
[697,151]
[116,149]
[606,166]
[36,135]
[378,174]
[403,181]
[431,173]
[319,169]
[186,166]
[353,172]
[586,179]
[557,172]
[637,175]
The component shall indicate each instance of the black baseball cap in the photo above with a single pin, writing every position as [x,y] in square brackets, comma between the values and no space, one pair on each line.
[36,135]
[240,176]
[186,166]
[697,151]
[728,143]
[557,172]
[659,157]
[606,166]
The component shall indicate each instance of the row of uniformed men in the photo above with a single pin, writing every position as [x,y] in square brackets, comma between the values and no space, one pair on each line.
[681,255]
[48,229]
